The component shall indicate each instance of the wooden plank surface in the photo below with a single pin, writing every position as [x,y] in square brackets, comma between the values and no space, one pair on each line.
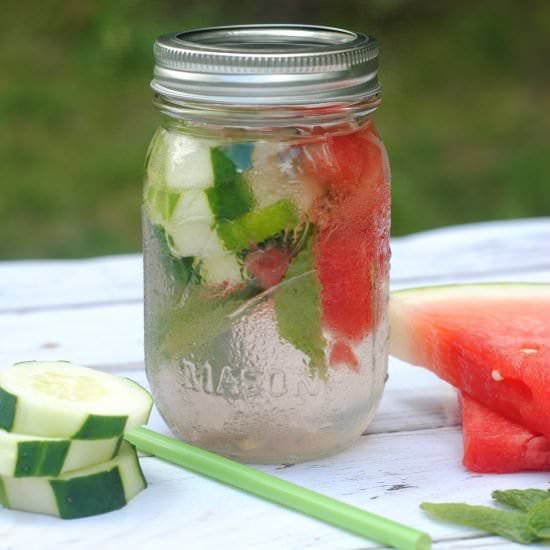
[90,312]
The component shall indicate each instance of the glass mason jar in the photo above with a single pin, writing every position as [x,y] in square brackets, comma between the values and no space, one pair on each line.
[266,231]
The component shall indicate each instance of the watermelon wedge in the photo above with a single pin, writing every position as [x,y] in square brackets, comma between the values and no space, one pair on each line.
[493,444]
[491,341]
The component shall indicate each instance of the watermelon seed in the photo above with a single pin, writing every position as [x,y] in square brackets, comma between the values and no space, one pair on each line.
[528,351]
[496,376]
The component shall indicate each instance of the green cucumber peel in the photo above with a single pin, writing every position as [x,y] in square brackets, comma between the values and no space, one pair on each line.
[101,427]
[40,458]
[117,447]
[90,495]
[298,309]
[3,495]
[258,225]
[230,197]
[8,404]
[528,522]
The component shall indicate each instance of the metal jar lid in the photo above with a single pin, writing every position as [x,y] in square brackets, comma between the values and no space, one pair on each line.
[266,65]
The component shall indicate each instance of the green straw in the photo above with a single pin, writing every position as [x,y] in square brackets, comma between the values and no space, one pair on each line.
[277,490]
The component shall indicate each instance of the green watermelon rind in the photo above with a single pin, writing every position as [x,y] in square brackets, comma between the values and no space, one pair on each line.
[399,344]
[461,289]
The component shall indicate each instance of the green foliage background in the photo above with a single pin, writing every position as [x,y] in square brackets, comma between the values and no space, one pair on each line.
[465,114]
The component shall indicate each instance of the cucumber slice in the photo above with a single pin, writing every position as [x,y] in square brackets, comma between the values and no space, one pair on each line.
[154,160]
[30,456]
[188,162]
[191,230]
[182,270]
[95,490]
[160,203]
[59,399]
[258,225]
[195,239]
[221,269]
[230,197]
[192,206]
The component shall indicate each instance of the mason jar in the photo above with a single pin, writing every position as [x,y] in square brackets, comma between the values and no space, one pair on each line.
[266,240]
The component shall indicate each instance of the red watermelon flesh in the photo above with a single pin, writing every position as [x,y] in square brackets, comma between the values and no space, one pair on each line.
[342,353]
[352,212]
[491,341]
[493,444]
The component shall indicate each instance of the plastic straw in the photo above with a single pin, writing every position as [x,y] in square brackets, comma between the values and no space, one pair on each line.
[277,490]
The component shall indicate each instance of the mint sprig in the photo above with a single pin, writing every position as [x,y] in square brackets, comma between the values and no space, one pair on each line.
[521,499]
[298,309]
[230,197]
[510,525]
[529,521]
[538,519]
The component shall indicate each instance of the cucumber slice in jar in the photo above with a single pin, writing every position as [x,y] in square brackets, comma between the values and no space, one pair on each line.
[195,239]
[87,492]
[160,204]
[188,162]
[191,227]
[32,456]
[59,399]
[221,269]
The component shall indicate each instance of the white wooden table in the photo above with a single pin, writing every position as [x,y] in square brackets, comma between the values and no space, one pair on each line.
[90,312]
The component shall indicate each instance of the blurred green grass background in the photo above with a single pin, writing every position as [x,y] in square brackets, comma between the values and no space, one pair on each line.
[465,114]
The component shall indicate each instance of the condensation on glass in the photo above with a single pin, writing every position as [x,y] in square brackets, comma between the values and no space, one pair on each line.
[266,231]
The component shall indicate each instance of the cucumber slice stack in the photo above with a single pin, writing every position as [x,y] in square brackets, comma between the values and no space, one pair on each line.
[61,448]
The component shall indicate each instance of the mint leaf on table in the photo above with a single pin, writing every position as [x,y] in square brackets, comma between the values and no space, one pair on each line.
[298,309]
[512,525]
[529,522]
[521,499]
[538,519]
[230,197]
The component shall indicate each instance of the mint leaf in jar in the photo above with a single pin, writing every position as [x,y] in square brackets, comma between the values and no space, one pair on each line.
[298,309]
[201,317]
[230,197]
[258,225]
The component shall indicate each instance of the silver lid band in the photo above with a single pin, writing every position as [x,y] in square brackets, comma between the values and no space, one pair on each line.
[266,65]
